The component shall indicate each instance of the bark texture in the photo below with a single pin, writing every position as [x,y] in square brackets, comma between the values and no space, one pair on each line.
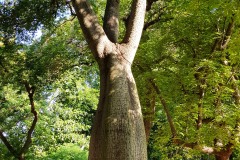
[118,130]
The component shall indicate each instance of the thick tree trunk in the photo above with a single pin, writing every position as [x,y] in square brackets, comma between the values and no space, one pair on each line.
[118,131]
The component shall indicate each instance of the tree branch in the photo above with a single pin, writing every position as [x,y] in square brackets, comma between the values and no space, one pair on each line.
[227,149]
[92,30]
[135,24]
[228,34]
[200,103]
[189,43]
[221,43]
[158,19]
[111,24]
[65,21]
[7,144]
[236,94]
[70,7]
[28,141]
[149,4]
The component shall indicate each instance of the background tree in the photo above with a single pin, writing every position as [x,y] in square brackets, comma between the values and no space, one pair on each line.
[114,61]
[189,71]
[21,65]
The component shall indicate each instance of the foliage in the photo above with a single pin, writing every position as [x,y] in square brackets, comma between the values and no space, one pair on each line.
[67,152]
[178,56]
[63,85]
[176,53]
[20,19]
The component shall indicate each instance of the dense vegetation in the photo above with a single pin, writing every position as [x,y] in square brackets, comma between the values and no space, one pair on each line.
[186,70]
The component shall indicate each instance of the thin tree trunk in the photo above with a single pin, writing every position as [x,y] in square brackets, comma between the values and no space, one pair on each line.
[118,131]
[165,108]
[149,113]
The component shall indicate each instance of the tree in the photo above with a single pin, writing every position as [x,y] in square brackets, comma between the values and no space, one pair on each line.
[18,152]
[118,130]
[21,64]
[15,92]
[195,78]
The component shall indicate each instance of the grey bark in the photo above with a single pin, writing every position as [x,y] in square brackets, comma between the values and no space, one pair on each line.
[118,132]
[118,129]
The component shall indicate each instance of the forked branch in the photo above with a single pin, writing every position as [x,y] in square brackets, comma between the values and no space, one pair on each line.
[92,30]
[222,42]
[28,141]
[30,90]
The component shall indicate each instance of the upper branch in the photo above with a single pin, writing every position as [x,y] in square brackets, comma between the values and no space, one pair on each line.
[221,43]
[135,24]
[149,4]
[111,23]
[228,34]
[92,30]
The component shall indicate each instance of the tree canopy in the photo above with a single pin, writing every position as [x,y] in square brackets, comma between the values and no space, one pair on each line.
[186,69]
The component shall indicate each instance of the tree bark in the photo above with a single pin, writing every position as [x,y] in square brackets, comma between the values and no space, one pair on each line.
[118,130]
